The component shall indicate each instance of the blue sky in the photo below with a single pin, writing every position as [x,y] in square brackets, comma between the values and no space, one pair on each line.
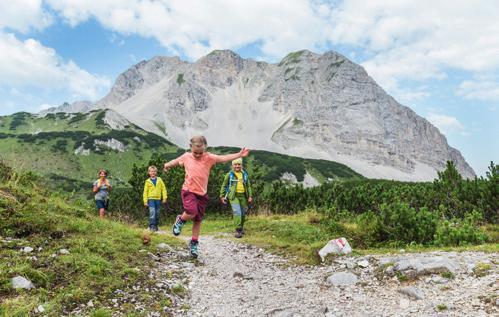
[440,58]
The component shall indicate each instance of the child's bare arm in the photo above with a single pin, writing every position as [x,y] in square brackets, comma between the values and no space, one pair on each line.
[172,163]
[229,157]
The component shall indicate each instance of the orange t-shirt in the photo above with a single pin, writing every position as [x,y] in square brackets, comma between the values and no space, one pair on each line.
[197,171]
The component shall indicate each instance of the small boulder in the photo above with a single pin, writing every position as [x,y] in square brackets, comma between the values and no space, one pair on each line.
[40,309]
[342,279]
[21,282]
[414,267]
[412,292]
[363,263]
[64,252]
[164,246]
[27,249]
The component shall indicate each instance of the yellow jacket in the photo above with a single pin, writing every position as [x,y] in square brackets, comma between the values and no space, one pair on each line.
[155,192]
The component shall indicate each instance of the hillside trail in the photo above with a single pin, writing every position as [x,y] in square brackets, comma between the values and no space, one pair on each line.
[236,279]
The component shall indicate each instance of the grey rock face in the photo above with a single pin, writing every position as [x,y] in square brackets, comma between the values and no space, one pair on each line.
[77,106]
[308,105]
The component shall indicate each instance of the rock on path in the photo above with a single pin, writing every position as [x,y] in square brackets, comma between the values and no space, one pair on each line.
[234,279]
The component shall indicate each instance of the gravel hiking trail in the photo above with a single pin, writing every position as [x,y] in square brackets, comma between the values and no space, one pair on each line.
[235,279]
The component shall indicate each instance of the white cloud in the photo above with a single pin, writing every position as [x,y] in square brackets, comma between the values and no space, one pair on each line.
[406,40]
[419,40]
[23,15]
[447,124]
[30,64]
[486,90]
[198,26]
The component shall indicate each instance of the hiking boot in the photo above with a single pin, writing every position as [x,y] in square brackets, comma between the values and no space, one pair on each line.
[239,233]
[177,226]
[193,246]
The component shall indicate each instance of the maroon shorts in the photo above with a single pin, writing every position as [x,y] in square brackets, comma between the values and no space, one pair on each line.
[194,205]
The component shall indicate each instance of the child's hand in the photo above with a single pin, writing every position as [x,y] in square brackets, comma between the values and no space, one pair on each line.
[244,152]
[165,167]
[223,200]
[250,200]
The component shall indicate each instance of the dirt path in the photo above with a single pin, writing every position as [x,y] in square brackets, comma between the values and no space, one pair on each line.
[234,279]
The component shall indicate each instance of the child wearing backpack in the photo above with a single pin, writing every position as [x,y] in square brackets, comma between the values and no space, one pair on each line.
[236,188]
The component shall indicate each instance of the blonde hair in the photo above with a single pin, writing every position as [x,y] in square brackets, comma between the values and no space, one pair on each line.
[198,140]
[152,168]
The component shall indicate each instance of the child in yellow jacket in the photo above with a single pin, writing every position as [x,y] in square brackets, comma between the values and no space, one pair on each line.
[154,195]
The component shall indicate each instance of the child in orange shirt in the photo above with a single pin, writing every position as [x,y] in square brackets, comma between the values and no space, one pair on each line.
[197,164]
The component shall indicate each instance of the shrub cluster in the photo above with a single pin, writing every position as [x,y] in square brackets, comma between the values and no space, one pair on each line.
[447,211]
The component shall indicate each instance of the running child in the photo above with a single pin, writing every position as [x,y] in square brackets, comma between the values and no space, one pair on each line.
[197,164]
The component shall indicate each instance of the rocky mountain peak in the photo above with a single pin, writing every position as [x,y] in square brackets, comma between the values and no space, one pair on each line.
[222,59]
[308,105]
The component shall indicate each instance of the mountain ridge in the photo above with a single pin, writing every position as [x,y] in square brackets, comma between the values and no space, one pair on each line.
[308,105]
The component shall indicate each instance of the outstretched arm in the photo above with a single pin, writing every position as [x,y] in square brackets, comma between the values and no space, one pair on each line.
[229,157]
[172,163]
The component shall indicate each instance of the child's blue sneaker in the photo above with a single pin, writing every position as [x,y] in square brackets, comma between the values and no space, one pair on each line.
[177,226]
[193,245]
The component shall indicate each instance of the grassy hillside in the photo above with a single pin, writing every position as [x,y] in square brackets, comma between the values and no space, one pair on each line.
[274,165]
[76,146]
[103,256]
[71,148]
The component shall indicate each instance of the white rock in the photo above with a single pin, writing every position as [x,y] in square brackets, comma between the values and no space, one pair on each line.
[363,263]
[27,249]
[64,251]
[90,303]
[21,282]
[40,309]
[112,144]
[336,246]
[82,151]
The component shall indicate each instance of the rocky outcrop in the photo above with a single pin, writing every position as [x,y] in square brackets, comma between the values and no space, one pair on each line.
[308,105]
[77,106]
